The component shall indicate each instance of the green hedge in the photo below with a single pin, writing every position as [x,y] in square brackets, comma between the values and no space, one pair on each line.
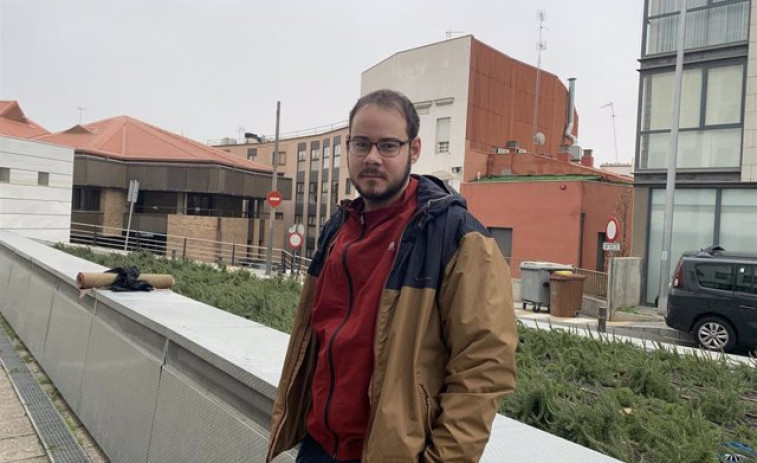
[613,397]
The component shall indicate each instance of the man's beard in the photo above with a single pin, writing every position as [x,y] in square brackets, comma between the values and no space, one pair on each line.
[391,188]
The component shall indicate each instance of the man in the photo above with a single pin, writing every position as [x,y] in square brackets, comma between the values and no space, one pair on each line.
[404,338]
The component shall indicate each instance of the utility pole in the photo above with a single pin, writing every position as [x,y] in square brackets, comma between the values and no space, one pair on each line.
[614,134]
[80,112]
[272,210]
[541,45]
[670,184]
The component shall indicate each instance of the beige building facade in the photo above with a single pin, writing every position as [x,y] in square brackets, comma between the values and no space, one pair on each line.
[317,165]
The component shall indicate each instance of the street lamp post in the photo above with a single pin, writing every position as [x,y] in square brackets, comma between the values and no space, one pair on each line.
[670,184]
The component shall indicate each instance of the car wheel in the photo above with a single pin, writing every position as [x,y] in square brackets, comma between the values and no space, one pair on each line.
[716,334]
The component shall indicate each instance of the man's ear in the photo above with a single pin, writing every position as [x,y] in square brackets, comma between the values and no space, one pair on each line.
[415,149]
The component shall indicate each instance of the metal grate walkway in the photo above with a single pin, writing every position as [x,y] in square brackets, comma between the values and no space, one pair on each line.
[59,443]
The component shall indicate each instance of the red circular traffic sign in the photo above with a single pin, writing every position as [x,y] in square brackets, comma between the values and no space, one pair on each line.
[294,240]
[273,198]
[612,230]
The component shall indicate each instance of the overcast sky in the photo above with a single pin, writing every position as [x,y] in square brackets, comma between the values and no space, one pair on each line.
[206,68]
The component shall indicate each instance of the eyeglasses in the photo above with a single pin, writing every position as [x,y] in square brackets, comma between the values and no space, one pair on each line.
[386,148]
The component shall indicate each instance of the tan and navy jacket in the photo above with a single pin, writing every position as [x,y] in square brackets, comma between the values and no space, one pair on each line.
[444,345]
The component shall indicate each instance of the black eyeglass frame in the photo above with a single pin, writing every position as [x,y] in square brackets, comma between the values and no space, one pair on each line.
[371,143]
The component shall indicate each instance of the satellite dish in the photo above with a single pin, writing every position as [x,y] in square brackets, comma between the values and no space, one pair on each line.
[539,138]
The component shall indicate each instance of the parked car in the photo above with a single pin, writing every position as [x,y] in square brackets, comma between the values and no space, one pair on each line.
[714,296]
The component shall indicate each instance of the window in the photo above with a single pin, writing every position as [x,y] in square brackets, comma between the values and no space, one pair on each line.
[313,192]
[314,150]
[199,204]
[335,189]
[693,228]
[442,134]
[326,157]
[710,123]
[715,276]
[324,187]
[85,199]
[43,178]
[282,158]
[298,219]
[252,153]
[311,221]
[337,151]
[708,23]
[5,175]
[300,193]
[279,216]
[301,152]
[746,279]
[738,219]
[301,156]
[348,187]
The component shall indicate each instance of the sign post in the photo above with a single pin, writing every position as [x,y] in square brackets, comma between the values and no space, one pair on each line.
[272,215]
[131,196]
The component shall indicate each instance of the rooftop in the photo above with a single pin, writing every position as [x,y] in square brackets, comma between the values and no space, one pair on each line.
[14,123]
[128,139]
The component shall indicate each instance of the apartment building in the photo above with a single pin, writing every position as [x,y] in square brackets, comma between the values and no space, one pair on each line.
[716,181]
[316,161]
[472,99]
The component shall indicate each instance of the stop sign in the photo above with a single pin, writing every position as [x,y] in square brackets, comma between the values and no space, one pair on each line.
[273,198]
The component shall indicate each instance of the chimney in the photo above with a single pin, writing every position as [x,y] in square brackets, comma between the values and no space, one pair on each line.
[564,154]
[587,159]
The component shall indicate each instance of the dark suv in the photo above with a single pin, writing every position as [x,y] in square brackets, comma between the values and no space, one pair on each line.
[714,297]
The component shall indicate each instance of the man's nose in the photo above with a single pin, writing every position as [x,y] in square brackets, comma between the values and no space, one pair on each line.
[373,156]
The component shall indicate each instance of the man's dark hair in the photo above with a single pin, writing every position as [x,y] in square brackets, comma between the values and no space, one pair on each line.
[395,100]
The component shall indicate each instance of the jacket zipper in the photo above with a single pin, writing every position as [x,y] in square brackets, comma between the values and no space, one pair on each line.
[332,372]
[296,366]
[378,313]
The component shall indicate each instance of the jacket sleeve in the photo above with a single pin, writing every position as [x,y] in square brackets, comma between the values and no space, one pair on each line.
[478,326]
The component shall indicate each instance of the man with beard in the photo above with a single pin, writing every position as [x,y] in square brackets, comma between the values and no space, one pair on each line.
[404,340]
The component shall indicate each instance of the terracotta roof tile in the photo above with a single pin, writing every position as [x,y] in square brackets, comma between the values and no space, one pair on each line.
[129,139]
[14,123]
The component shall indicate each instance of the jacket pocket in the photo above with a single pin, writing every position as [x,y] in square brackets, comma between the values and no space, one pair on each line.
[427,405]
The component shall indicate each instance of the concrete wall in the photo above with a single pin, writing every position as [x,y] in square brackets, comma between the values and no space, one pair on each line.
[435,78]
[154,377]
[157,377]
[624,284]
[36,211]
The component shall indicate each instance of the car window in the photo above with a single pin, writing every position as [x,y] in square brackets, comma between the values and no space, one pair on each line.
[715,276]
[746,279]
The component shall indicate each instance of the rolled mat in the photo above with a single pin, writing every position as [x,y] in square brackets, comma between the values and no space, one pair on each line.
[105,280]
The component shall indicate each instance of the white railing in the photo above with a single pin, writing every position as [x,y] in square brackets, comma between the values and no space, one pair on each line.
[183,247]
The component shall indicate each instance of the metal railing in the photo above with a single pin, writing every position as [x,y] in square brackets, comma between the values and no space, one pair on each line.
[174,247]
[595,284]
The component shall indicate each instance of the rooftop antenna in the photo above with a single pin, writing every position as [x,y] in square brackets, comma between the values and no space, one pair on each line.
[450,33]
[541,45]
[80,112]
[614,135]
